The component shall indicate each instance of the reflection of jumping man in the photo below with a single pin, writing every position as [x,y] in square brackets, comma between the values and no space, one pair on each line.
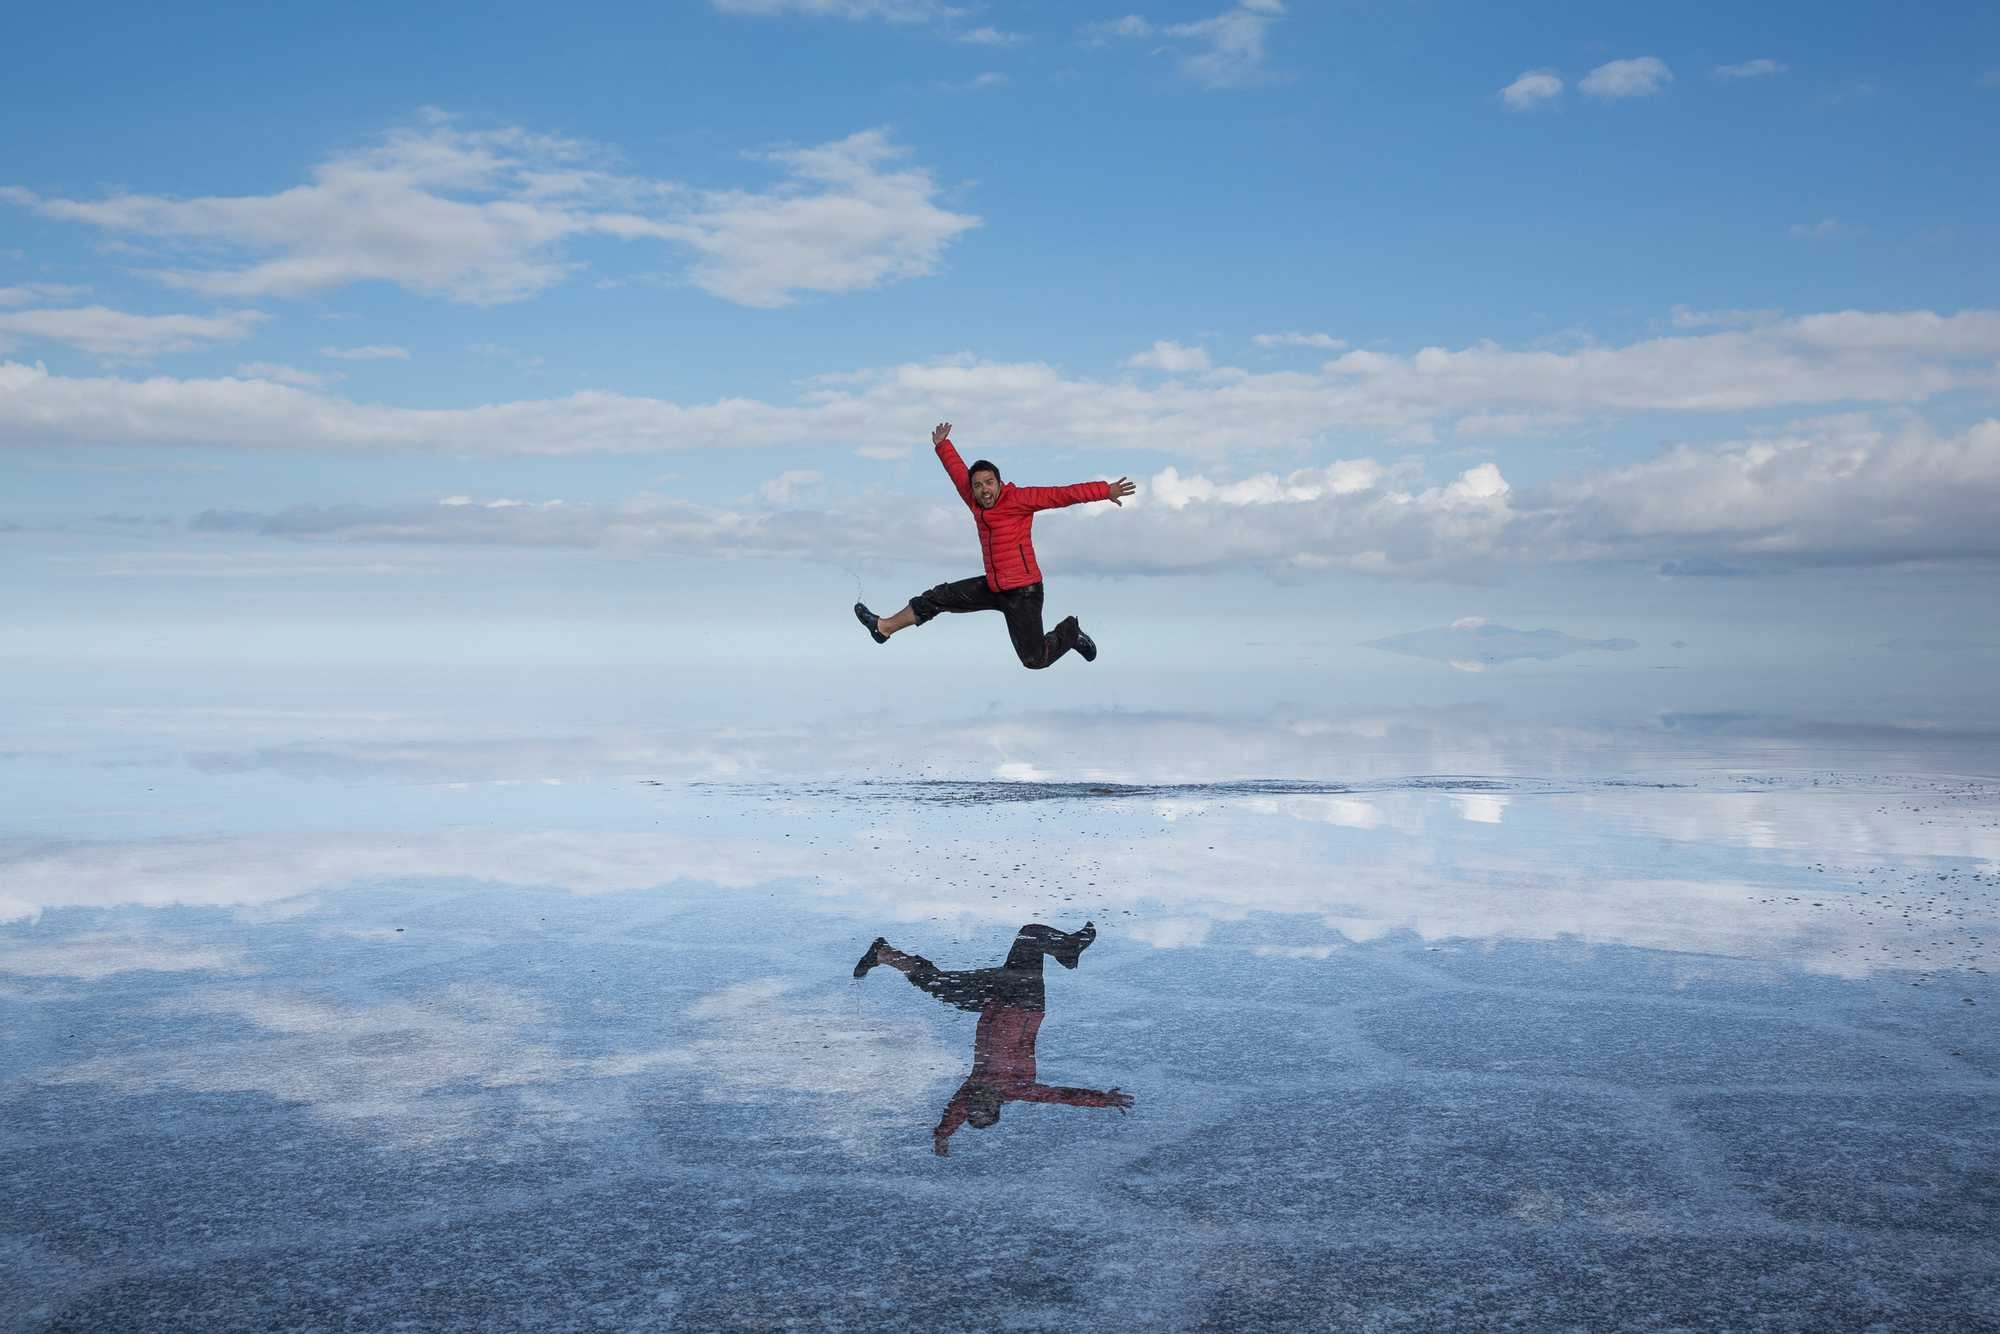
[1008,1000]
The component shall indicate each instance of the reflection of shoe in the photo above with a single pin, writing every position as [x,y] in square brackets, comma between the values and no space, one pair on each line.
[869,619]
[868,960]
[1086,647]
[1079,941]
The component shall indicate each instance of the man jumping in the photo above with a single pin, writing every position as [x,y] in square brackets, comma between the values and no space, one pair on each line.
[1012,584]
[1010,1004]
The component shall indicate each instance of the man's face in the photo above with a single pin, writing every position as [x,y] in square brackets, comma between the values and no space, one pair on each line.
[985,489]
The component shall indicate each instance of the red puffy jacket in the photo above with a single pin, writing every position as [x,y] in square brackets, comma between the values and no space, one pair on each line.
[1006,532]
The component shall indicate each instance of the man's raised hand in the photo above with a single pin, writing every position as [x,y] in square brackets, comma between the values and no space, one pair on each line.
[1120,489]
[1119,1100]
[941,433]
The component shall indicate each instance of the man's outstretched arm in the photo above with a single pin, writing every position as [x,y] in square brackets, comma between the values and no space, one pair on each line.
[1074,1097]
[953,464]
[1056,497]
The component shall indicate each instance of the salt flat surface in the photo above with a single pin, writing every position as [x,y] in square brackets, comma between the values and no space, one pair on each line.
[563,1035]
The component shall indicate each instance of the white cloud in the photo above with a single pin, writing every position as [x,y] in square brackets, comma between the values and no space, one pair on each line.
[1684,318]
[1170,356]
[847,222]
[1131,25]
[23,294]
[118,334]
[484,216]
[787,485]
[1840,358]
[989,36]
[1838,491]
[1532,88]
[512,356]
[892,11]
[759,1038]
[1751,69]
[1640,77]
[101,954]
[1815,231]
[1235,44]
[372,352]
[421,1070]
[1343,478]
[283,374]
[1326,342]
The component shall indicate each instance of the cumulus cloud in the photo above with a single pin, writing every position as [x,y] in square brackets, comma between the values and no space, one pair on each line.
[1751,69]
[371,352]
[1840,358]
[1835,492]
[1474,639]
[990,36]
[121,335]
[1533,88]
[283,374]
[1640,77]
[1166,355]
[484,216]
[1234,44]
[892,11]
[27,294]
[1325,342]
[787,485]
[848,221]
[1131,25]
[1226,50]
[1685,318]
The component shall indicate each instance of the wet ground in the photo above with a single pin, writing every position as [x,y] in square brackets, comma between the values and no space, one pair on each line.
[1419,1036]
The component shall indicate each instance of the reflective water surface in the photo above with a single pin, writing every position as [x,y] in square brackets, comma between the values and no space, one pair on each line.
[1377,1024]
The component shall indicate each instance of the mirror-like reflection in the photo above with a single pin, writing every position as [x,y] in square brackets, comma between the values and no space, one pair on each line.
[1011,1001]
[1640,1046]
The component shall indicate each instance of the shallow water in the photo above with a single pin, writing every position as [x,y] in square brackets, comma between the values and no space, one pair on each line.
[1427,1025]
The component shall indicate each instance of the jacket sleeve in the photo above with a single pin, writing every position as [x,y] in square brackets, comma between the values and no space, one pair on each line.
[955,466]
[1054,1093]
[1055,497]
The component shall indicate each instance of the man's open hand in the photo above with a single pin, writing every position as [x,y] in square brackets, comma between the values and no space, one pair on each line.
[1119,1100]
[940,433]
[1119,490]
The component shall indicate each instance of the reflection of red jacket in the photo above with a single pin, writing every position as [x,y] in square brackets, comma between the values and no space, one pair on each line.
[1006,540]
[1003,1059]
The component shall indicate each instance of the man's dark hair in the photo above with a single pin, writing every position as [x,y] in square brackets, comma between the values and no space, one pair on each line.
[982,465]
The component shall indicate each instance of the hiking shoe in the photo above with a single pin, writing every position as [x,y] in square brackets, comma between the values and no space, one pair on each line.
[869,619]
[1079,941]
[868,960]
[1086,647]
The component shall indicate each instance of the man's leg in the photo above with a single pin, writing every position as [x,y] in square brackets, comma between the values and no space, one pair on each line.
[967,990]
[1036,650]
[959,595]
[1033,941]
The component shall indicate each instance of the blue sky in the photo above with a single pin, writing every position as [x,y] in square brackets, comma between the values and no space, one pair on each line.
[315,325]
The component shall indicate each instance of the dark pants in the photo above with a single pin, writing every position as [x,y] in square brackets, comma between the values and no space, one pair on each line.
[1017,982]
[1021,606]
